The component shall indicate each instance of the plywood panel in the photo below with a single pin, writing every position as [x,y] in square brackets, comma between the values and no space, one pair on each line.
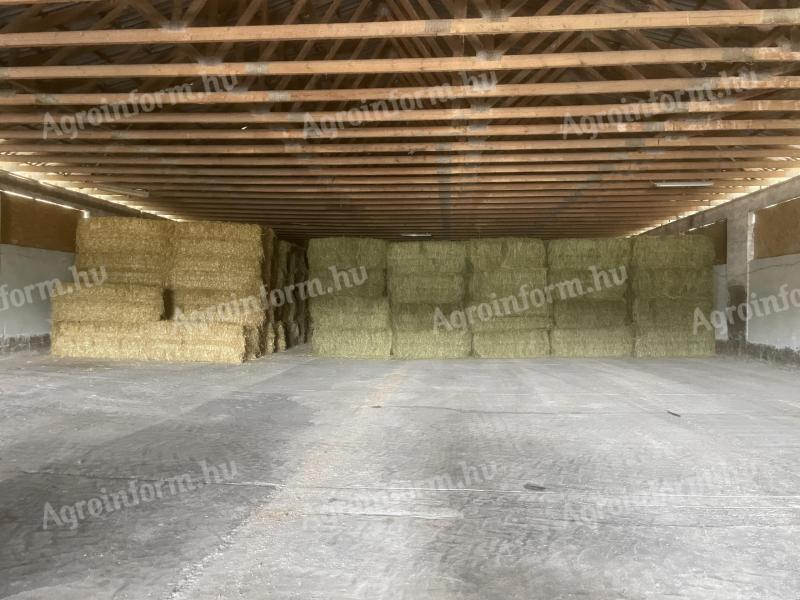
[777,230]
[34,224]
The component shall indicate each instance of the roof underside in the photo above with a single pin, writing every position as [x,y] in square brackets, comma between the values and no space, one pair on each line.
[455,118]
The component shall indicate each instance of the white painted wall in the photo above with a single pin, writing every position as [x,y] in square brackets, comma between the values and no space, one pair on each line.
[767,275]
[21,267]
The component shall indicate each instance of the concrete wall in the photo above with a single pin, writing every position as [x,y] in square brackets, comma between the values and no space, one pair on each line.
[779,329]
[21,267]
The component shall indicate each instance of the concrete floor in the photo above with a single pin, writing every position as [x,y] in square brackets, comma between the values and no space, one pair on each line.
[391,480]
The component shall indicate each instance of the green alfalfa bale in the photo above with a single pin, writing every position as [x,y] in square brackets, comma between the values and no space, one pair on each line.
[429,258]
[673,283]
[489,285]
[410,345]
[603,253]
[592,343]
[566,284]
[662,313]
[590,314]
[362,282]
[506,254]
[675,343]
[673,252]
[514,323]
[422,317]
[352,343]
[521,344]
[335,313]
[427,289]
[346,252]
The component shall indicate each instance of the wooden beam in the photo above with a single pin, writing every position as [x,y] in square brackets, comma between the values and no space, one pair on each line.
[414,29]
[763,82]
[405,65]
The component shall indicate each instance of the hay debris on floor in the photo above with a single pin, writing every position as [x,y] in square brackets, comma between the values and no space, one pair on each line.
[512,344]
[592,343]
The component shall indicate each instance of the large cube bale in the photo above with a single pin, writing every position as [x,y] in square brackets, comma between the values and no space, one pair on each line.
[349,343]
[217,306]
[337,313]
[662,313]
[420,317]
[427,289]
[592,343]
[673,283]
[485,286]
[356,281]
[109,304]
[603,253]
[671,343]
[590,314]
[521,344]
[430,257]
[506,254]
[514,323]
[409,345]
[162,341]
[346,253]
[269,243]
[673,252]
[125,268]
[567,284]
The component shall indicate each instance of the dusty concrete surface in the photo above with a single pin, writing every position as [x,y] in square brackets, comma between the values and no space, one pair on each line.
[340,480]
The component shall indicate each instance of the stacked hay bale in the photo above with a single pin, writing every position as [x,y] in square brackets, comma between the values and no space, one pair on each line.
[300,316]
[427,279]
[120,317]
[269,241]
[672,279]
[504,274]
[216,277]
[590,312]
[349,321]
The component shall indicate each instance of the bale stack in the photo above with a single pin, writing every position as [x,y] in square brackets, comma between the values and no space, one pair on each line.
[349,321]
[672,278]
[216,278]
[500,269]
[269,241]
[424,277]
[301,294]
[594,323]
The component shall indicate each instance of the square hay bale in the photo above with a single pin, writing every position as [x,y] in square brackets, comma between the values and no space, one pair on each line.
[590,314]
[427,289]
[412,258]
[105,235]
[410,345]
[506,254]
[124,268]
[280,337]
[570,284]
[504,284]
[269,242]
[219,231]
[346,252]
[109,304]
[240,252]
[603,253]
[252,342]
[521,344]
[268,339]
[352,344]
[216,306]
[163,341]
[419,317]
[673,252]
[521,323]
[243,284]
[337,313]
[592,343]
[660,313]
[673,283]
[671,343]
[355,281]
